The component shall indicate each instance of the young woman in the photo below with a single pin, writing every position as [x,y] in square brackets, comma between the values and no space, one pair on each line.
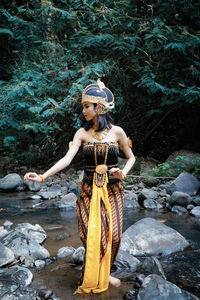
[100,205]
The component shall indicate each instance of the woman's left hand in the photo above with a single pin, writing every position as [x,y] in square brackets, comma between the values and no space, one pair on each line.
[117,173]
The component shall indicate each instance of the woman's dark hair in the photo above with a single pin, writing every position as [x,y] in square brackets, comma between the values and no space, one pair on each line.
[105,122]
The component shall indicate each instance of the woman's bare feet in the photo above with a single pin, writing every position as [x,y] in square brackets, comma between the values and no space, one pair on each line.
[114,281]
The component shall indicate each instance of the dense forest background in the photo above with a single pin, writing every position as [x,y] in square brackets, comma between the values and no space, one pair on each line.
[146,52]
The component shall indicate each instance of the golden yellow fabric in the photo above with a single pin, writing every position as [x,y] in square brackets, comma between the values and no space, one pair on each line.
[96,275]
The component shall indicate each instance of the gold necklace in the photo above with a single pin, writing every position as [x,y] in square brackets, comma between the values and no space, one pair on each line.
[97,136]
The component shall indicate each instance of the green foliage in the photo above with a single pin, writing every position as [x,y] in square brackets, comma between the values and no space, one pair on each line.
[174,168]
[147,54]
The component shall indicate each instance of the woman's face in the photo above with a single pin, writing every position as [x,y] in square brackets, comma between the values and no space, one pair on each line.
[89,111]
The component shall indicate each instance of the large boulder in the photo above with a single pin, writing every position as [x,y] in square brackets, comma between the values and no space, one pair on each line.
[186,183]
[155,287]
[6,255]
[11,182]
[149,237]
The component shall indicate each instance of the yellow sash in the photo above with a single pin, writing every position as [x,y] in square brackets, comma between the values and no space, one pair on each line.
[96,275]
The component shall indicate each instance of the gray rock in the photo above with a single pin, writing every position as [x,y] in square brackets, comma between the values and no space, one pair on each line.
[180,198]
[36,197]
[3,231]
[185,183]
[67,201]
[53,192]
[17,275]
[73,188]
[6,255]
[150,181]
[22,246]
[78,255]
[39,263]
[179,210]
[126,261]
[196,212]
[65,251]
[155,287]
[34,232]
[33,186]
[151,204]
[7,225]
[131,204]
[148,194]
[190,207]
[152,265]
[196,200]
[150,237]
[11,182]
[188,155]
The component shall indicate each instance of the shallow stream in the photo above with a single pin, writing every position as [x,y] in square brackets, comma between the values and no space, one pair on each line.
[181,268]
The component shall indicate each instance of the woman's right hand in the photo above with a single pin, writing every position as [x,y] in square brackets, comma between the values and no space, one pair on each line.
[33,177]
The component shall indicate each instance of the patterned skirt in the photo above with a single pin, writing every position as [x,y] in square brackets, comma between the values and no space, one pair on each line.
[116,199]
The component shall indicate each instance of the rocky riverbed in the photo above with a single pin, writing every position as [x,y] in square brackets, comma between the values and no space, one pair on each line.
[147,247]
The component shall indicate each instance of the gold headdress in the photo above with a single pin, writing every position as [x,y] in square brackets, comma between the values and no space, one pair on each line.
[99,94]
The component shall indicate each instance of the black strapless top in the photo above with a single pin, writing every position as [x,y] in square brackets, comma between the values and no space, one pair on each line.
[100,153]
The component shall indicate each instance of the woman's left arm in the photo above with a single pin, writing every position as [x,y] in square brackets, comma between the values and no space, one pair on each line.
[124,145]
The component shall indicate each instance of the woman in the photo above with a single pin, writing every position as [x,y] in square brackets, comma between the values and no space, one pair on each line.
[100,205]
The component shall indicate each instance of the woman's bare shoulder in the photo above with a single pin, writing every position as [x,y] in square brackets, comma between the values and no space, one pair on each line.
[117,129]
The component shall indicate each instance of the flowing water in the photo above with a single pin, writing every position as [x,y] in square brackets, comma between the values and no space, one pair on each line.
[181,268]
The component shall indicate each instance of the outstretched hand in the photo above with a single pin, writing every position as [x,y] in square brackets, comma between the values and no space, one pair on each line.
[33,177]
[117,173]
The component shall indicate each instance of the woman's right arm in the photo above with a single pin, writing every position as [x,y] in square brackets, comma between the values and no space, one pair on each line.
[62,163]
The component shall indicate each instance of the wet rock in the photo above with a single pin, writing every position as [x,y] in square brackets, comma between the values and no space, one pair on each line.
[23,247]
[53,192]
[179,210]
[131,204]
[7,225]
[130,295]
[73,188]
[67,201]
[62,236]
[65,251]
[150,237]
[11,182]
[78,255]
[126,261]
[146,194]
[45,293]
[196,212]
[13,278]
[33,186]
[39,264]
[180,198]
[150,181]
[190,207]
[185,183]
[34,232]
[6,255]
[3,231]
[155,287]
[196,200]
[151,204]
[35,197]
[152,265]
